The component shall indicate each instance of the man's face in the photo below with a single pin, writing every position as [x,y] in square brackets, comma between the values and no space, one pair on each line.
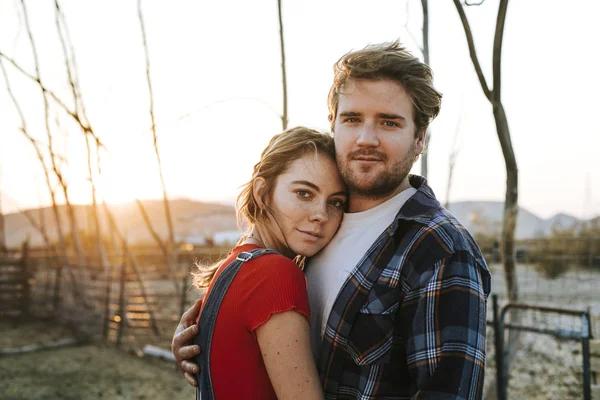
[374,134]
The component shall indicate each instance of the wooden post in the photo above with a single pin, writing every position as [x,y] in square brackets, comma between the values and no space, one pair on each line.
[183,300]
[26,274]
[122,310]
[595,368]
[56,297]
[108,284]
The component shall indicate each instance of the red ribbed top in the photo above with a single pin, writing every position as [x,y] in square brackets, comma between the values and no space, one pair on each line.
[266,285]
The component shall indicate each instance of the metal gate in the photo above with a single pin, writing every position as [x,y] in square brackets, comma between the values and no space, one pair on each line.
[583,335]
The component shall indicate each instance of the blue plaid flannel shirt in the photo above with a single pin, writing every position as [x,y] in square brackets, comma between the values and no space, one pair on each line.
[410,321]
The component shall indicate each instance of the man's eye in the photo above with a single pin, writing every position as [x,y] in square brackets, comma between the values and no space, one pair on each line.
[351,120]
[390,124]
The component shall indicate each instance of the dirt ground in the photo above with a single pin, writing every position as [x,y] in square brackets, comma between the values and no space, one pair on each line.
[91,371]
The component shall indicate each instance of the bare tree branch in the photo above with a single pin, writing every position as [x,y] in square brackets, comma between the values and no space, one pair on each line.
[155,136]
[284,116]
[50,93]
[406,28]
[425,156]
[169,247]
[497,51]
[511,205]
[35,144]
[58,16]
[472,51]
[150,227]
[72,217]
[36,225]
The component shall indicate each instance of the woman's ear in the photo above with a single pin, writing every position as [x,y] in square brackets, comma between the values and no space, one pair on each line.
[258,190]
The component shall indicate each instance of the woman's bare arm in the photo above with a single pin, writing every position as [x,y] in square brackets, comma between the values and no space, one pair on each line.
[284,342]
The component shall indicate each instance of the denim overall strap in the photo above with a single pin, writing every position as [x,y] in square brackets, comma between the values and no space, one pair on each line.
[208,319]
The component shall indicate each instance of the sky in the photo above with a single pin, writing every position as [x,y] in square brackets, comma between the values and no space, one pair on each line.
[215,68]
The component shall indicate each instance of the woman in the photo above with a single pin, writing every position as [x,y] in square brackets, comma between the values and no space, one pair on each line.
[254,331]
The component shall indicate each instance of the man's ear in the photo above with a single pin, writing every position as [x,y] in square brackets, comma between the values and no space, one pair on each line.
[421,141]
[258,190]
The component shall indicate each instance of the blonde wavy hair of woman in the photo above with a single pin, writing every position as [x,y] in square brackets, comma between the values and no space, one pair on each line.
[283,149]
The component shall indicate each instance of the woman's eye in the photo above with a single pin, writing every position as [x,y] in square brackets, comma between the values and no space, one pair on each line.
[337,203]
[305,194]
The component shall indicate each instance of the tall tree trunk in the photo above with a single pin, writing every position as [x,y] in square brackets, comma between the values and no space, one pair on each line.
[284,116]
[511,207]
[512,172]
[494,96]
[3,247]
[424,157]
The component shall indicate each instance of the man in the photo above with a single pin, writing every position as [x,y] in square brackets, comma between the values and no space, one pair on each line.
[398,298]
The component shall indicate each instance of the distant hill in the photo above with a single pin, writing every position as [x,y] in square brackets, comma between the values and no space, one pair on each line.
[487,216]
[193,219]
[190,219]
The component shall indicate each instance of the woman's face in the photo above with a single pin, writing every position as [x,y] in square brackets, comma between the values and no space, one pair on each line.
[307,204]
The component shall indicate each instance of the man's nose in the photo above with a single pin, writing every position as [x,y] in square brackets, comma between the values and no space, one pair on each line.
[368,136]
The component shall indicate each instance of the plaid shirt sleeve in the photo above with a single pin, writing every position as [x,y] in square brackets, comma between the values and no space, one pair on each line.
[443,321]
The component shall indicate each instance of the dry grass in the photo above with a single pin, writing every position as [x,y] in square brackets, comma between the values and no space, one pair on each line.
[92,371]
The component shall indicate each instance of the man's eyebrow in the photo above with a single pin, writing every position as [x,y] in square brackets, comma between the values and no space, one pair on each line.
[350,114]
[312,185]
[390,116]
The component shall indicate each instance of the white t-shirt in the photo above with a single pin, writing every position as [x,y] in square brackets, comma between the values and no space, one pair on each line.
[329,269]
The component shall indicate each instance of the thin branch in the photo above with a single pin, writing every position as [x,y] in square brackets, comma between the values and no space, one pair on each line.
[472,51]
[425,48]
[37,226]
[284,116]
[150,227]
[497,53]
[49,92]
[415,40]
[72,220]
[155,136]
[75,71]
[57,19]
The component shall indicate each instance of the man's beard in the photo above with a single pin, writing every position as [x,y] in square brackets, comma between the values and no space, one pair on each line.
[382,185]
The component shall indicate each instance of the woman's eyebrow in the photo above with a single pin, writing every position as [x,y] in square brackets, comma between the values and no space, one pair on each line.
[315,187]
[307,183]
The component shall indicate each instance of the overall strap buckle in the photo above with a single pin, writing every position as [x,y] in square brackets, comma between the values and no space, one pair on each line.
[244,256]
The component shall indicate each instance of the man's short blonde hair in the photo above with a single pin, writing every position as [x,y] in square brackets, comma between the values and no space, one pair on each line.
[389,61]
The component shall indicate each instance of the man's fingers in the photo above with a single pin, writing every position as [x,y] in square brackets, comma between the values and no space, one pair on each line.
[187,353]
[188,367]
[191,379]
[191,314]
[184,337]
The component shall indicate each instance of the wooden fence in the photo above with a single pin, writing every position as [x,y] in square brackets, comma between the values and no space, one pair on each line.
[14,285]
[135,301]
